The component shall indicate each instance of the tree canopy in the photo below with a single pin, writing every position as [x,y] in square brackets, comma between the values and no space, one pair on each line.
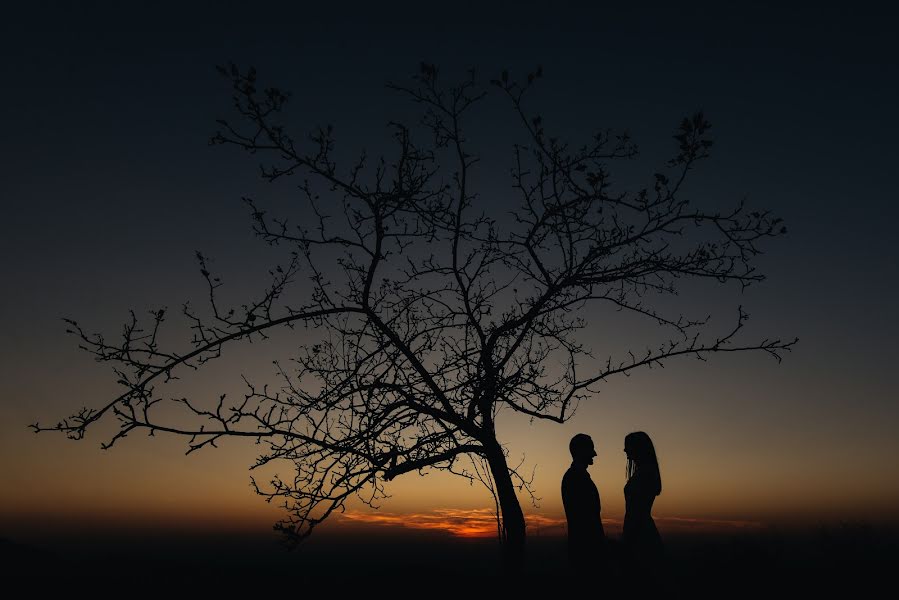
[430,313]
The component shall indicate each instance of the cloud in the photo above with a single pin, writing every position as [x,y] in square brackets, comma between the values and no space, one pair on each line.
[471,523]
[481,522]
[683,524]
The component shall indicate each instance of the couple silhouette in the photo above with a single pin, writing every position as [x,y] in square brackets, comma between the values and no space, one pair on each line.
[641,545]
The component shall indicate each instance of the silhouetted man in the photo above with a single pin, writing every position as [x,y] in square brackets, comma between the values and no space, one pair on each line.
[586,539]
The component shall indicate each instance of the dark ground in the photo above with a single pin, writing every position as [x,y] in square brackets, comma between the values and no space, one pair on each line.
[852,558]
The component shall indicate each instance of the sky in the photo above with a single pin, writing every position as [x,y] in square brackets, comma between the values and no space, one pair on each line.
[109,187]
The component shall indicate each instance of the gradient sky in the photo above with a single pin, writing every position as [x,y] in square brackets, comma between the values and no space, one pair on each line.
[108,187]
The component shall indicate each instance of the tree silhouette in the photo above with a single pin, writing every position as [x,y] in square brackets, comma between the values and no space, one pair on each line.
[431,314]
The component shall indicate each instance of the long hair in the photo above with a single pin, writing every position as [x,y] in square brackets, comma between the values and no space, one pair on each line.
[642,458]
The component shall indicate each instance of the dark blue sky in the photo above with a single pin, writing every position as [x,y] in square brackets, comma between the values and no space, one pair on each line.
[107,112]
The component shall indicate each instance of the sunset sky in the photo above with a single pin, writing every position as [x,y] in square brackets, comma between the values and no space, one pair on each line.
[109,187]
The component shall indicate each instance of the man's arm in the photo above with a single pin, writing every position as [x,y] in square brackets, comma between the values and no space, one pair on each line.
[576,500]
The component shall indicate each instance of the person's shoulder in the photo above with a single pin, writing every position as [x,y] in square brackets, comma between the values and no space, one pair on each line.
[642,481]
[569,481]
[573,474]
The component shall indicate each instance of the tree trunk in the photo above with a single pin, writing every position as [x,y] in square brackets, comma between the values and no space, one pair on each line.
[513,527]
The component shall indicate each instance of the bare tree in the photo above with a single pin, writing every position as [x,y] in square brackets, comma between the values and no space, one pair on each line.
[431,314]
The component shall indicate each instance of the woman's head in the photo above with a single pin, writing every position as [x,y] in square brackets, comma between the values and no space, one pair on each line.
[641,455]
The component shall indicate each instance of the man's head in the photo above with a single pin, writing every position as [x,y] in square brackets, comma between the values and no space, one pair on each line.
[581,447]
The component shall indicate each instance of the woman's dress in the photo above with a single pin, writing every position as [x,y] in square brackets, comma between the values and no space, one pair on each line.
[640,536]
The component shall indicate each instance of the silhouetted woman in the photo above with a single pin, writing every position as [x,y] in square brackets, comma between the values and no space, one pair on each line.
[640,537]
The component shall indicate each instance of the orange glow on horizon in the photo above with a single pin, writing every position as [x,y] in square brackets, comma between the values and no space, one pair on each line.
[468,523]
[481,522]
